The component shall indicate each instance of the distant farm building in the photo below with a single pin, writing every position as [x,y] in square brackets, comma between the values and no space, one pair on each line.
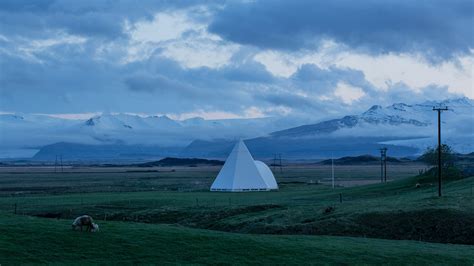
[242,173]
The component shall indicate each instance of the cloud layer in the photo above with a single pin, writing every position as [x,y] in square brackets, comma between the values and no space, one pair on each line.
[303,59]
[436,28]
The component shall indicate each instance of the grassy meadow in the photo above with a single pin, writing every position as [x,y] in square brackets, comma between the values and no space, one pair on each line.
[27,240]
[167,215]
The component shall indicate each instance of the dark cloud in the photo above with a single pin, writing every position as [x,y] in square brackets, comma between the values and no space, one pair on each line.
[157,83]
[91,76]
[25,5]
[435,28]
[248,72]
[70,80]
[90,18]
[314,79]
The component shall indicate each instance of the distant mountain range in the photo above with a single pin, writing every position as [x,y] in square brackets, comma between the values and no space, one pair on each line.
[405,129]
[24,135]
[397,115]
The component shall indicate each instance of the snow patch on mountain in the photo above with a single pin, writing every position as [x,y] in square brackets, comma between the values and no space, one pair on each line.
[397,119]
[398,124]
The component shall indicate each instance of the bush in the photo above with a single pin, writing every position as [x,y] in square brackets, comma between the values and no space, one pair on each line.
[449,173]
[430,156]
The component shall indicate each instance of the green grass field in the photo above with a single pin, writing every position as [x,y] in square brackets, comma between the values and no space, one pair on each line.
[171,217]
[33,240]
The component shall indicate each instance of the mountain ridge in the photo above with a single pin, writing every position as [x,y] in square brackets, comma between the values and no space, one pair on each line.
[399,125]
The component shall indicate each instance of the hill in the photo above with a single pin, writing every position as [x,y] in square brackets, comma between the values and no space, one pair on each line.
[170,161]
[362,159]
[91,153]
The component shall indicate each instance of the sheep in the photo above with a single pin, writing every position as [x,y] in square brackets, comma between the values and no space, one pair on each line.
[85,220]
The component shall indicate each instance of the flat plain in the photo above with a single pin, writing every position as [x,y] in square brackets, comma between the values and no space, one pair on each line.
[167,215]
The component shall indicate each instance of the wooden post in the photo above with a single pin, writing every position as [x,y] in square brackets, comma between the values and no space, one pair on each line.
[332,170]
[439,153]
[439,146]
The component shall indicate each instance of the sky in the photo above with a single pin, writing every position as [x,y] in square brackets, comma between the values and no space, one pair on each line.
[232,59]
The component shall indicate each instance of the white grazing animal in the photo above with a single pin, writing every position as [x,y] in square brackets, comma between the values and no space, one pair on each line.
[84,220]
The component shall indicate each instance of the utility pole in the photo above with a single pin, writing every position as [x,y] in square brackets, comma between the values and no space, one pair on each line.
[274,161]
[62,169]
[439,110]
[281,169]
[383,164]
[332,170]
[56,164]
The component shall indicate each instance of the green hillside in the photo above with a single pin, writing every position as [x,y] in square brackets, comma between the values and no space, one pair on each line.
[34,240]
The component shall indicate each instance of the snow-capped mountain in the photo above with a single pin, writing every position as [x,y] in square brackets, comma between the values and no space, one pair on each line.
[406,129]
[409,127]
[162,130]
[398,117]
[23,135]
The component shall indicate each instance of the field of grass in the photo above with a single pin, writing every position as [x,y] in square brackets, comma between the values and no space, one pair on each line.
[44,180]
[144,210]
[33,240]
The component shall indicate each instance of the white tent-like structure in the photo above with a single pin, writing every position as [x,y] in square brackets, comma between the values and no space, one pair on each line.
[241,173]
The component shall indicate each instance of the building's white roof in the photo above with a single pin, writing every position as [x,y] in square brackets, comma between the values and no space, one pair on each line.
[267,175]
[241,173]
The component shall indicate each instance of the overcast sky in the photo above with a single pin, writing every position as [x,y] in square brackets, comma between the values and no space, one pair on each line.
[229,59]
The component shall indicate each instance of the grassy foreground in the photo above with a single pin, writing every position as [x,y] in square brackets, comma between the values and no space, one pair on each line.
[395,210]
[29,240]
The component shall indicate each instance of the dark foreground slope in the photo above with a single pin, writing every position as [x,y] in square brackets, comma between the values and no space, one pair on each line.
[27,240]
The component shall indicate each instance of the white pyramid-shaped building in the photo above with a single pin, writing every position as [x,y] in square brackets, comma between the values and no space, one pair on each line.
[241,173]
